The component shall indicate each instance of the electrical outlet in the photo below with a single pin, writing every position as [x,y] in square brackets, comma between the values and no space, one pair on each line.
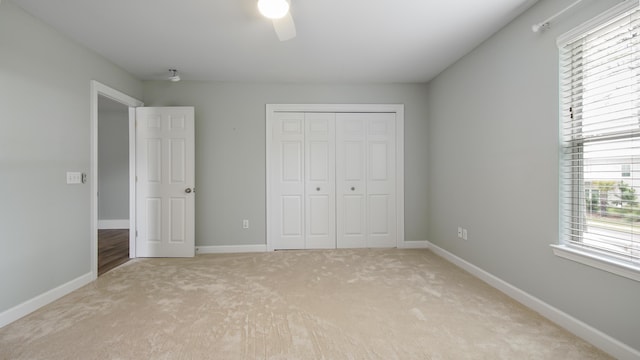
[459,232]
[464,234]
[245,224]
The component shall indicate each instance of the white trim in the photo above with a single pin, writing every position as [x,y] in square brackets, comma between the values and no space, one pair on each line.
[97,89]
[597,21]
[31,305]
[230,249]
[337,108]
[594,336]
[132,183]
[565,251]
[398,109]
[422,244]
[400,240]
[113,224]
[597,261]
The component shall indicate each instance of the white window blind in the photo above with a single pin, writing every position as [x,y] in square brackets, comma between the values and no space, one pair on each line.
[600,93]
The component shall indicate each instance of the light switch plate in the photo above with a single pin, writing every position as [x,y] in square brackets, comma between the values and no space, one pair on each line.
[74,177]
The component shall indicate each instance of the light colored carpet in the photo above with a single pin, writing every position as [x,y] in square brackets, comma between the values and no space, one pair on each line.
[339,304]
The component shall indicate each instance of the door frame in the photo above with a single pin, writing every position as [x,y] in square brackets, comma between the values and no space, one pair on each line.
[398,109]
[98,89]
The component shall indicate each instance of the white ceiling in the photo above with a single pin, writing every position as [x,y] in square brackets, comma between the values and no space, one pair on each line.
[343,41]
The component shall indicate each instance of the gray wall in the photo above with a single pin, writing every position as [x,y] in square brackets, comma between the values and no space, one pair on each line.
[230,148]
[493,168]
[113,160]
[44,117]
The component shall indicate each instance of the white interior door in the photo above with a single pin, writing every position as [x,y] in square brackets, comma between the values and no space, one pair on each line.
[381,180]
[351,192]
[165,171]
[320,200]
[288,181]
[366,180]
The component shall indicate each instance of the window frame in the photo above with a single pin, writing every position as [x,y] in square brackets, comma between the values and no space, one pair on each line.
[591,257]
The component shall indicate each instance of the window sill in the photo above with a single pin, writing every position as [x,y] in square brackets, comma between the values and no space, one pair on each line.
[614,266]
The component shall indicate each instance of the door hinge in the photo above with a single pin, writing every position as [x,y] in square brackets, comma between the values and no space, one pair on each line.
[136,233]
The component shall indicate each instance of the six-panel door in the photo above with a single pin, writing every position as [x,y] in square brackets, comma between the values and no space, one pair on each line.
[165,171]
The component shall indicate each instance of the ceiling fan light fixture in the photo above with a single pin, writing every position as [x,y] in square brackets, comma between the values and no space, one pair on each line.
[273,9]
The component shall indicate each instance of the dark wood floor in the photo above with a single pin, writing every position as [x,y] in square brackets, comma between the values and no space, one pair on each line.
[113,249]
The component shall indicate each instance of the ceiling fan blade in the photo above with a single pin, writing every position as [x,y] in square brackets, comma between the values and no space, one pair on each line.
[285,27]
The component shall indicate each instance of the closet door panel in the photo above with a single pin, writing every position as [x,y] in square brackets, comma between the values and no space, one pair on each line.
[354,216]
[351,180]
[287,182]
[381,182]
[320,203]
[292,210]
[379,214]
[318,215]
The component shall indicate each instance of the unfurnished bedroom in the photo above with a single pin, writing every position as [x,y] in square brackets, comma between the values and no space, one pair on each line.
[296,179]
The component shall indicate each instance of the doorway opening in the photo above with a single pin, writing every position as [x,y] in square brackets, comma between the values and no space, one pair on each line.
[113,184]
[112,177]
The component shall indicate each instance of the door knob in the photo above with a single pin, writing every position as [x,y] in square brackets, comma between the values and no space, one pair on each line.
[317,189]
[187,190]
[353,188]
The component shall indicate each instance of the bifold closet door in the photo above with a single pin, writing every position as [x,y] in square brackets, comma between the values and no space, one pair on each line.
[365,180]
[302,177]
[320,181]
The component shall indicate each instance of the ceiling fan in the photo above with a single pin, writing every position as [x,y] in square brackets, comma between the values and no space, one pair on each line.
[278,12]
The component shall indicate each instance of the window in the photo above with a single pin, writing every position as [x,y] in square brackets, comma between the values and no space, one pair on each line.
[600,95]
[625,170]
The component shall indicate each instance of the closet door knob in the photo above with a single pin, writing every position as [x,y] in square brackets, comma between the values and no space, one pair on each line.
[317,189]
[353,188]
[187,190]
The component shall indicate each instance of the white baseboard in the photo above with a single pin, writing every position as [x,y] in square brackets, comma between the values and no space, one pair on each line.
[422,244]
[594,336]
[113,224]
[29,306]
[229,249]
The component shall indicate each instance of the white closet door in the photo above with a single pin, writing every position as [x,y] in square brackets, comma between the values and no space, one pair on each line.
[381,180]
[320,203]
[288,182]
[351,180]
[365,177]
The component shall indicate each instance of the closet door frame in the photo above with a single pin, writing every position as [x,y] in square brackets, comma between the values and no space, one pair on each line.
[398,109]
